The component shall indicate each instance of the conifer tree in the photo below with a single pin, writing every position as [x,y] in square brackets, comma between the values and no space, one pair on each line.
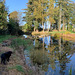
[3,15]
[50,13]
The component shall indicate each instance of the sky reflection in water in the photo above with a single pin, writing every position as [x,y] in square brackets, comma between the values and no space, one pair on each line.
[56,56]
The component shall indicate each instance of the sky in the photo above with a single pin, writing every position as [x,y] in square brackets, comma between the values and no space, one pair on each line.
[16,5]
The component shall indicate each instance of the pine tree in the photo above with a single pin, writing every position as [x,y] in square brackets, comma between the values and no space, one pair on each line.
[29,14]
[44,4]
[3,15]
[66,12]
[50,13]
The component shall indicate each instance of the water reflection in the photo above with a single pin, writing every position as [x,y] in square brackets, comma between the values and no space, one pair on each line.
[53,55]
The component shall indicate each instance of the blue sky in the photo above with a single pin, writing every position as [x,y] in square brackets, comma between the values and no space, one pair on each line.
[16,5]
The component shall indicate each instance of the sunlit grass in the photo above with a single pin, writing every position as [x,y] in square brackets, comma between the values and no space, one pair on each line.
[51,32]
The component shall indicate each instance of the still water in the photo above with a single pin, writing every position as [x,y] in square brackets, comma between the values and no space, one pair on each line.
[54,56]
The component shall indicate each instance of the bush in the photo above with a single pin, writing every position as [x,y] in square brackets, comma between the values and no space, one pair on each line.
[39,57]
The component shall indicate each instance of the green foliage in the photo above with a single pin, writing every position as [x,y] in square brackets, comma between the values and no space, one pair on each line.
[13,27]
[36,24]
[26,27]
[3,15]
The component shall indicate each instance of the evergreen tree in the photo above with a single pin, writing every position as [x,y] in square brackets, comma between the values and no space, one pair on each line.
[50,13]
[66,12]
[29,14]
[3,15]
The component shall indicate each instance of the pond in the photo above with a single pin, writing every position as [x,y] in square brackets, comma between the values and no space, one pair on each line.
[53,56]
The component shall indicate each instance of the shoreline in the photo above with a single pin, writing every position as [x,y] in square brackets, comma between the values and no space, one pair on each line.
[65,35]
[17,63]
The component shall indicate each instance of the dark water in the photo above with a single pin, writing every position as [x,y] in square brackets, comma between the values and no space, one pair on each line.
[54,56]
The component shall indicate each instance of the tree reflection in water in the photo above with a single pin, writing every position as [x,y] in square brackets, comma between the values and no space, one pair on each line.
[50,51]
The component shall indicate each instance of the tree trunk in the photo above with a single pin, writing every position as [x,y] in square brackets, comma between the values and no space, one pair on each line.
[59,17]
[63,22]
[43,26]
[51,27]
[34,28]
[68,25]
[48,27]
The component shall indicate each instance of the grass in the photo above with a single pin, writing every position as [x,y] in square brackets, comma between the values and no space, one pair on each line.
[26,43]
[5,37]
[52,32]
[18,68]
[72,31]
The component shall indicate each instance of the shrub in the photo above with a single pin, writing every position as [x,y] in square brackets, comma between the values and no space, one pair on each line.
[39,57]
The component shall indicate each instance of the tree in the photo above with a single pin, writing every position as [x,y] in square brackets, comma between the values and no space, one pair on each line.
[28,18]
[3,15]
[36,25]
[13,25]
[67,8]
[43,11]
[73,17]
[15,15]
[50,13]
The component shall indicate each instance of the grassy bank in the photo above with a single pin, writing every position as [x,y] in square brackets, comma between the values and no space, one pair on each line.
[5,37]
[66,35]
[52,32]
[17,64]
